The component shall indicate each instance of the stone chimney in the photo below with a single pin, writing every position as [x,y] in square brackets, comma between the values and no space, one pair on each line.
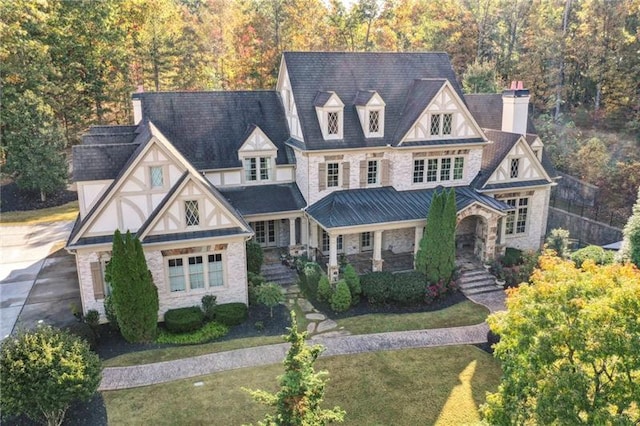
[137,105]
[515,108]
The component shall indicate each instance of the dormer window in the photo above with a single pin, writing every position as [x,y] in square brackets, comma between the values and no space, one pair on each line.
[330,112]
[257,169]
[370,107]
[257,155]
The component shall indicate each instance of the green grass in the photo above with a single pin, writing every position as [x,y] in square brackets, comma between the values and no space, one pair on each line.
[67,211]
[460,314]
[441,386]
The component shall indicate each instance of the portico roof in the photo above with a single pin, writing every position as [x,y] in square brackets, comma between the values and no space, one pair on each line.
[385,205]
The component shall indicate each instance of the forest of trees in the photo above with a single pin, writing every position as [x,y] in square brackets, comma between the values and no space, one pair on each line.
[78,61]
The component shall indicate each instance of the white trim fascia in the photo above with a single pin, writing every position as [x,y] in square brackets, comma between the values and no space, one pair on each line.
[515,189]
[189,242]
[291,214]
[498,212]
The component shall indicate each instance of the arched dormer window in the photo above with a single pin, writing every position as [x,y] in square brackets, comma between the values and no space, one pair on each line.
[330,112]
[370,107]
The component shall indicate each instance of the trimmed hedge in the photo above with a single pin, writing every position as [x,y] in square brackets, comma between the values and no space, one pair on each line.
[341,298]
[375,287]
[183,320]
[408,288]
[231,313]
[208,332]
[512,256]
[599,256]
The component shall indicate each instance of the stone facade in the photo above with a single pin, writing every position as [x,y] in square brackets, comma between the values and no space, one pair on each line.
[399,240]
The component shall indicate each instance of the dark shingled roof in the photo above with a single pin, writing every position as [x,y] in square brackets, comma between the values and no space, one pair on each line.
[382,205]
[519,184]
[109,135]
[260,199]
[418,98]
[392,75]
[363,97]
[210,233]
[487,110]
[208,127]
[97,162]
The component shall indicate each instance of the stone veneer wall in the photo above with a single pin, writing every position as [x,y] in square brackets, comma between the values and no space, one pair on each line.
[537,223]
[234,290]
[399,240]
[582,229]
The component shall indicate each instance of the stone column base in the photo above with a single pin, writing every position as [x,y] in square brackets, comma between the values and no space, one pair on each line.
[333,272]
[376,265]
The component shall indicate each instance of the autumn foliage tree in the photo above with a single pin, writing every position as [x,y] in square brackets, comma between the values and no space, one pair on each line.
[569,347]
[297,403]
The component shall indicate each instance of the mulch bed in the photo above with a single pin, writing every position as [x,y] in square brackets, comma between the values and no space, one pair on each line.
[13,199]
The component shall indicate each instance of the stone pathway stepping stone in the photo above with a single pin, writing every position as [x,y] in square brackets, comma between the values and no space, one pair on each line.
[305,305]
[316,317]
[326,325]
[311,327]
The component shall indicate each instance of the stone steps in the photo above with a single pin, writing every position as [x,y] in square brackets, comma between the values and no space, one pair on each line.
[478,281]
[280,274]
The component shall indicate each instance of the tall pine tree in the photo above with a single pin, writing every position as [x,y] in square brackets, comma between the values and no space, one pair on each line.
[135,296]
[436,255]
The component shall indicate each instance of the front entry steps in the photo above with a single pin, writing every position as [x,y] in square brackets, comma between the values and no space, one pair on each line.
[279,273]
[478,281]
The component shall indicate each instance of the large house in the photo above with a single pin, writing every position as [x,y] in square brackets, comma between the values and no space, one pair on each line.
[343,157]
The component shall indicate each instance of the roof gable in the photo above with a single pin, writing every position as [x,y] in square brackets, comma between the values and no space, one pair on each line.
[519,163]
[257,141]
[435,96]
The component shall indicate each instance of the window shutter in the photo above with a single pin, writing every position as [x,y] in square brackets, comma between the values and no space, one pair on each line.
[346,174]
[98,282]
[363,174]
[384,177]
[322,177]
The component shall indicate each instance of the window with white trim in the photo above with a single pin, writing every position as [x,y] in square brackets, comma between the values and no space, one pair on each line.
[257,169]
[373,176]
[515,168]
[374,121]
[333,175]
[333,124]
[443,169]
[516,221]
[191,213]
[366,241]
[441,124]
[202,271]
[156,177]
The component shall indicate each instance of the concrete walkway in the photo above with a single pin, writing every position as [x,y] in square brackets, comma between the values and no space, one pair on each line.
[23,255]
[114,378]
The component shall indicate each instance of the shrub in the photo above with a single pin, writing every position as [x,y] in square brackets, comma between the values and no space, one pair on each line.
[436,291]
[110,312]
[183,320]
[255,281]
[512,257]
[270,295]
[375,287]
[208,332]
[231,313]
[599,256]
[325,290]
[43,371]
[92,318]
[529,263]
[341,298]
[209,303]
[255,257]
[312,274]
[353,281]
[558,241]
[408,288]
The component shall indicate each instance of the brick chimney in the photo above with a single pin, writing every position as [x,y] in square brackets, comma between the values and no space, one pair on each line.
[136,100]
[515,108]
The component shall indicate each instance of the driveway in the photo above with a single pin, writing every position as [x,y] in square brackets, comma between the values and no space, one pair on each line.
[35,286]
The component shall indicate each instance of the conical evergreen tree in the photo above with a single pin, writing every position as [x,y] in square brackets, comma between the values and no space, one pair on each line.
[630,250]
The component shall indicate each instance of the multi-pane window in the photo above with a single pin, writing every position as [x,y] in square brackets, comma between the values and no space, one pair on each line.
[332,123]
[516,222]
[438,169]
[265,232]
[435,124]
[333,175]
[374,121]
[365,241]
[203,271]
[447,123]
[418,171]
[257,168]
[372,172]
[156,177]
[432,170]
[191,213]
[515,168]
[445,168]
[458,168]
[196,272]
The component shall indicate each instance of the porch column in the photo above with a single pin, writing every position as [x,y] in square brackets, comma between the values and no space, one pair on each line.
[377,251]
[416,244]
[313,240]
[332,267]
[490,241]
[292,232]
[304,231]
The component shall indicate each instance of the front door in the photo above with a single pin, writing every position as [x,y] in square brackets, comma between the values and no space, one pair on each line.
[265,233]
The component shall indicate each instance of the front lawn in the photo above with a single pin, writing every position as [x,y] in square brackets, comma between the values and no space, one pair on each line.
[460,314]
[64,212]
[442,386]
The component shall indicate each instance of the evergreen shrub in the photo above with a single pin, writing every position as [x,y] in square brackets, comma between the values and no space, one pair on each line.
[312,274]
[599,256]
[325,290]
[376,287]
[110,312]
[183,320]
[209,304]
[512,257]
[231,313]
[255,257]
[208,332]
[408,288]
[341,298]
[353,281]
